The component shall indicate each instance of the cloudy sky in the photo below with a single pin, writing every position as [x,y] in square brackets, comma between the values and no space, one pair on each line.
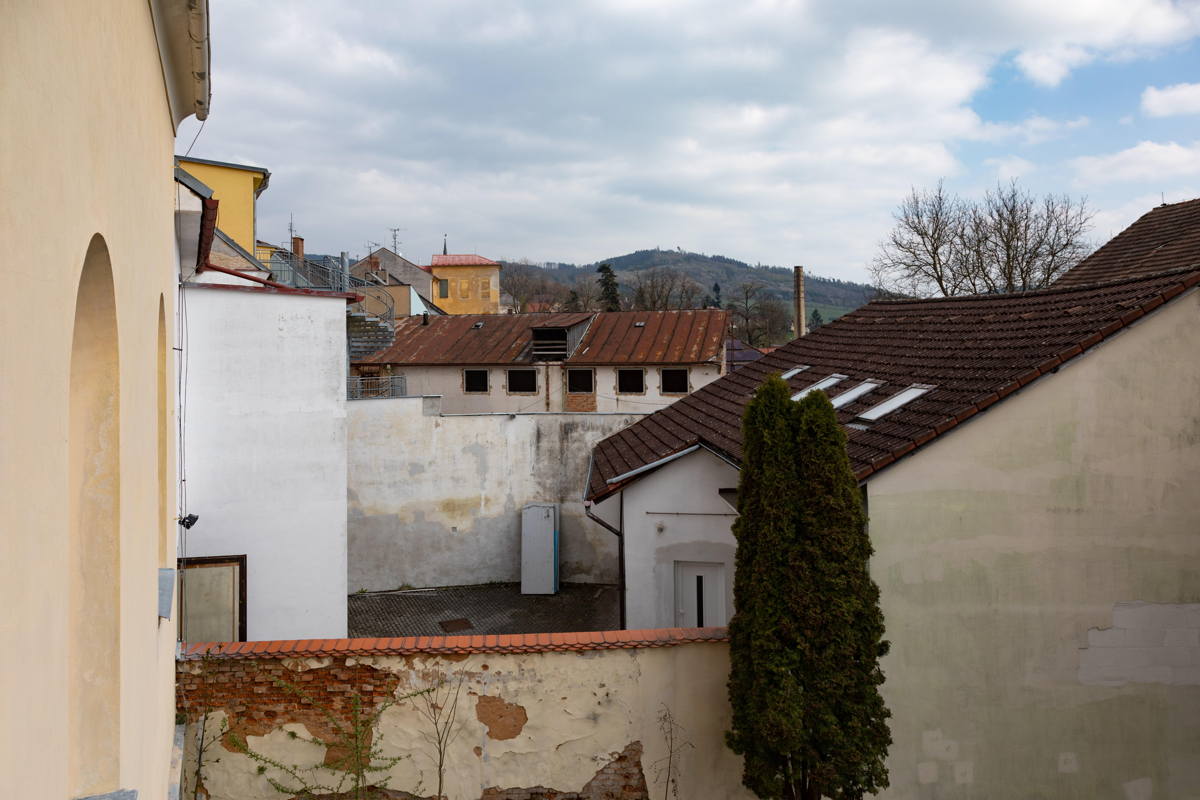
[772,131]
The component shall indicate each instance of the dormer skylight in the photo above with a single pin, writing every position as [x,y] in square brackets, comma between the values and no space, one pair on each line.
[794,371]
[894,402]
[824,383]
[852,394]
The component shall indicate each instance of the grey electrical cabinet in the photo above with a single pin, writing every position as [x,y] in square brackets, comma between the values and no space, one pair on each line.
[539,549]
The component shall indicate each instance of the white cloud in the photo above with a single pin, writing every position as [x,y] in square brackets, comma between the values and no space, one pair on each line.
[1143,161]
[1031,130]
[1182,98]
[1010,167]
[1049,65]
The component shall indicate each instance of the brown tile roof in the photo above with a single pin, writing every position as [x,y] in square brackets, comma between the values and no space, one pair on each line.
[434,645]
[1165,238]
[664,337]
[463,260]
[975,350]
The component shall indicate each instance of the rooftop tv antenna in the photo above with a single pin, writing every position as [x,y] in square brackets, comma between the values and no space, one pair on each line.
[396,239]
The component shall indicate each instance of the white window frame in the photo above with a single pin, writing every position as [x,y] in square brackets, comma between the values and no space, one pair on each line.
[901,398]
[824,383]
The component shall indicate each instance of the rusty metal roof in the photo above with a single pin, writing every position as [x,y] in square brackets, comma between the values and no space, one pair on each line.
[663,337]
[654,337]
[463,260]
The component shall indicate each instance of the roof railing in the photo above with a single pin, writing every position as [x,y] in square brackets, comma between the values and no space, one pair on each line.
[329,275]
[376,386]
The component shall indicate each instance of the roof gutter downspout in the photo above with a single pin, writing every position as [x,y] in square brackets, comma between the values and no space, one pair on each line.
[619,533]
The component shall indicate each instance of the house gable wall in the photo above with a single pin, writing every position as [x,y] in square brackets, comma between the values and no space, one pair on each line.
[1006,551]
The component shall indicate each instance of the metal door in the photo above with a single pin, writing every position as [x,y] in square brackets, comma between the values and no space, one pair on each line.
[699,594]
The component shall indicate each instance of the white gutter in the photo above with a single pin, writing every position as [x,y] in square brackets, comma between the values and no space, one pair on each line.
[653,464]
[181,28]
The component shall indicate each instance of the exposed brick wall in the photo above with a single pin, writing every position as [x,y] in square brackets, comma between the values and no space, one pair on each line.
[259,696]
[579,402]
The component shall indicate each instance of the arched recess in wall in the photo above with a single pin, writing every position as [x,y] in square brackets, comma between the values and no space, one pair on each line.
[94,492]
[164,446]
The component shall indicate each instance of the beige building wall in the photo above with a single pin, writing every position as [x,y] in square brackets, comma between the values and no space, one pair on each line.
[551,719]
[468,290]
[1040,577]
[551,394]
[86,516]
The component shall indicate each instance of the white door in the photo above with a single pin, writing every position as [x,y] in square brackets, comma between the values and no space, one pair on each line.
[699,594]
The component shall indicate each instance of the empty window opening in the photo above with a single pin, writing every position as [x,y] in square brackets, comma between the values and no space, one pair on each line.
[522,381]
[673,381]
[895,401]
[852,394]
[794,371]
[581,381]
[824,383]
[475,381]
[631,381]
[549,344]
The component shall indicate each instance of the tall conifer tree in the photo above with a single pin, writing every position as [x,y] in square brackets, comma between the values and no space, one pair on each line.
[808,634]
[610,291]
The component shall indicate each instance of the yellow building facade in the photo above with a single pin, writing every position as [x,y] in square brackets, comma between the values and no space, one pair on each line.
[91,97]
[236,187]
[466,284]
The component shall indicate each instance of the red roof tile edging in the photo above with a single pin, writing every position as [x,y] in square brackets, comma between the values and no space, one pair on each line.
[439,645]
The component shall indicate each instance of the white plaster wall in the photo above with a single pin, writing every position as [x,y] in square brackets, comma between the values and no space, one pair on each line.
[436,500]
[674,514]
[448,382]
[581,707]
[1040,570]
[265,440]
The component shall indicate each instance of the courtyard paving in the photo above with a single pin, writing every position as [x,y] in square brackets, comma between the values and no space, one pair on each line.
[488,609]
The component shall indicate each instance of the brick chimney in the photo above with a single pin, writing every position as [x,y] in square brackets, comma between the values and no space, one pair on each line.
[798,289]
[298,247]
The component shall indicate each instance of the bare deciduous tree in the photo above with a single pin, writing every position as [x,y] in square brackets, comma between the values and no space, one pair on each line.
[1010,241]
[758,318]
[658,289]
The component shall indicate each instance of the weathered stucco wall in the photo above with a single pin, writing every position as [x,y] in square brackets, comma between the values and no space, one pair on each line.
[559,720]
[436,500]
[551,392]
[1040,574]
[266,451]
[85,158]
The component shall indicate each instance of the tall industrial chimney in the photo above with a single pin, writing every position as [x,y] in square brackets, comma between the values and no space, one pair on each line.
[798,289]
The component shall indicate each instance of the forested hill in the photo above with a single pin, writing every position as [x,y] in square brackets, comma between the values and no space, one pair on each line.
[830,296]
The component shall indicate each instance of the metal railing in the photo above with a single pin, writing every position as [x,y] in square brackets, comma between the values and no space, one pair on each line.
[302,273]
[369,388]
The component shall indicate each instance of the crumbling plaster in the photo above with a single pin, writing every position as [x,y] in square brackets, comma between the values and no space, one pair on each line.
[582,709]
[436,500]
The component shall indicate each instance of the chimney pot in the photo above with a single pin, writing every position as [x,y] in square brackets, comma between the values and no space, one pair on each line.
[798,290]
[424,317]
[298,247]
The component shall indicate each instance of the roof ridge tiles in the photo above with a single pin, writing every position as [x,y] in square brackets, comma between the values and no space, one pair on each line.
[470,644]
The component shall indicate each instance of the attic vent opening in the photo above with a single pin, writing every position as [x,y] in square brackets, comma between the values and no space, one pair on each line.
[478,325]
[895,401]
[550,344]
[639,324]
[824,383]
[794,371]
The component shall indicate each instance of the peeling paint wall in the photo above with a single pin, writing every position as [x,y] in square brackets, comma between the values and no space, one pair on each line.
[436,500]
[562,721]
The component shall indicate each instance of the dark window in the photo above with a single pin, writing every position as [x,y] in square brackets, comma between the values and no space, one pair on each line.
[580,381]
[475,381]
[631,381]
[522,381]
[443,288]
[674,381]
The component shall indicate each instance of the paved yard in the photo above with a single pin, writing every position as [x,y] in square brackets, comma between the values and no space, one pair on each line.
[491,608]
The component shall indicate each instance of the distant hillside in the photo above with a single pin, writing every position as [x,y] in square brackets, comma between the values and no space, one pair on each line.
[830,296]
